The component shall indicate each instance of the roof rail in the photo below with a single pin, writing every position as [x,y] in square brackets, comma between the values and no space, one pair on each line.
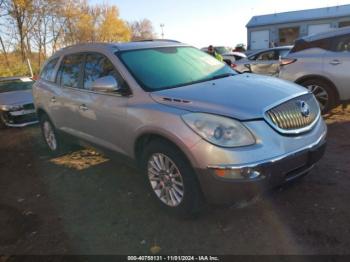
[156,40]
[85,44]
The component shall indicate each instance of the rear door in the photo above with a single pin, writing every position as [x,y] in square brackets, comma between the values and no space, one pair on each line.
[337,64]
[266,63]
[46,91]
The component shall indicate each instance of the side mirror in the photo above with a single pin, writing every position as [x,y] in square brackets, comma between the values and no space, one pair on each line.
[106,84]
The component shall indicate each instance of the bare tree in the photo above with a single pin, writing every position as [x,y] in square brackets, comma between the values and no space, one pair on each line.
[21,11]
[142,30]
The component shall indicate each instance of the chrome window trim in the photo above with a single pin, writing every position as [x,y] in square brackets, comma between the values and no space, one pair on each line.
[117,94]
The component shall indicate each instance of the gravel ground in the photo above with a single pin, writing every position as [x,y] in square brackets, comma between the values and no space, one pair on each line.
[84,203]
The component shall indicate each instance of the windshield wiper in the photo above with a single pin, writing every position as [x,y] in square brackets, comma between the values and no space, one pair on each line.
[222,76]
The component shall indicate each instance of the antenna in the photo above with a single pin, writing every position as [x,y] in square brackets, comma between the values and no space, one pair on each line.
[162,27]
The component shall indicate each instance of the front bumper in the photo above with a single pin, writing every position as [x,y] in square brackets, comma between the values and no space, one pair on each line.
[19,118]
[274,172]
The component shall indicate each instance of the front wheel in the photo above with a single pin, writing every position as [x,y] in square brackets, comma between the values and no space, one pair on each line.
[171,178]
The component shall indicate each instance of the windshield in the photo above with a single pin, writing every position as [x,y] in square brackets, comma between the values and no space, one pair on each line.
[15,85]
[222,50]
[169,67]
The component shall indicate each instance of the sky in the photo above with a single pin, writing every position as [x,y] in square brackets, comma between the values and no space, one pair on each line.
[204,22]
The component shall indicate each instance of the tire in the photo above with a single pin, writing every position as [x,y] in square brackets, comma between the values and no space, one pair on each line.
[2,121]
[166,186]
[53,140]
[323,91]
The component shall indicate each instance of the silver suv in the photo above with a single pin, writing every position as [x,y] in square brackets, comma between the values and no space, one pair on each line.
[321,63]
[197,129]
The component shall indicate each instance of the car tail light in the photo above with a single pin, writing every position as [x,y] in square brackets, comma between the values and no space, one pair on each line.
[287,61]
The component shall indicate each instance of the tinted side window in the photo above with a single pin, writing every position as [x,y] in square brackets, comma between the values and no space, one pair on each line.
[267,56]
[300,45]
[70,70]
[341,44]
[97,66]
[252,57]
[321,43]
[48,71]
[283,52]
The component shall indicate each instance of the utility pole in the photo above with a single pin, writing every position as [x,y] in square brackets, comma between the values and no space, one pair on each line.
[162,27]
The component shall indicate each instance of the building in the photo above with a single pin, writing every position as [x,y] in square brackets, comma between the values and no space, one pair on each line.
[284,28]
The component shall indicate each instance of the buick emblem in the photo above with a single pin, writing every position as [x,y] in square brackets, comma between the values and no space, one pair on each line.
[304,108]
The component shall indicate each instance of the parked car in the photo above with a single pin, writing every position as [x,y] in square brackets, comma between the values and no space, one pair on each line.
[198,130]
[265,62]
[321,63]
[228,55]
[16,102]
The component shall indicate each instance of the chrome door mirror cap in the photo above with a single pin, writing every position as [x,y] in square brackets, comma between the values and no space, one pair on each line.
[105,84]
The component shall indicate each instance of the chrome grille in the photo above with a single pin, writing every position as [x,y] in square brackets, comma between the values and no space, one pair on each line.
[295,115]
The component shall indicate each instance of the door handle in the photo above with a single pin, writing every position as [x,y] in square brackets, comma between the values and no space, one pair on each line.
[53,99]
[335,62]
[83,107]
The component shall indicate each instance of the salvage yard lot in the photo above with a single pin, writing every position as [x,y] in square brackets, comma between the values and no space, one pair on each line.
[83,203]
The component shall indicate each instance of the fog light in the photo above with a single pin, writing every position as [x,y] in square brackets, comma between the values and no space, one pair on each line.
[229,173]
[245,173]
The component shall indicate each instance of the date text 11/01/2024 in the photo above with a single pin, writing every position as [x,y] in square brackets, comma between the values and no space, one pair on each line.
[173,258]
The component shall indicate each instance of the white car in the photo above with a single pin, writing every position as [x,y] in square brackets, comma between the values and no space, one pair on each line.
[321,63]
[16,102]
[264,62]
[227,53]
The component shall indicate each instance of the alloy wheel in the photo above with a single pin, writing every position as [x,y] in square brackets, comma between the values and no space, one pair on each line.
[165,179]
[321,95]
[49,135]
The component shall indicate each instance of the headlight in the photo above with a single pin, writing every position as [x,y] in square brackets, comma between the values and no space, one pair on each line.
[11,107]
[221,131]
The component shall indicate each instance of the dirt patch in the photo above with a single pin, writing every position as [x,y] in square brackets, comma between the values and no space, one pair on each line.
[81,159]
[82,205]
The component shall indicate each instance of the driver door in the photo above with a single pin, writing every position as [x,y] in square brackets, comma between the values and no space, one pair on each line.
[102,114]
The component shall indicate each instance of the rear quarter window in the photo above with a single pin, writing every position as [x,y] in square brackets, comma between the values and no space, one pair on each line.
[301,45]
[341,43]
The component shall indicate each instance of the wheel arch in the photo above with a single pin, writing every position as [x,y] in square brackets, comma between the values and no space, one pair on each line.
[322,78]
[143,139]
[40,112]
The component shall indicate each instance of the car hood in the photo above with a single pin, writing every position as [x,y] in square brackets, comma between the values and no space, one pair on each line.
[16,97]
[243,96]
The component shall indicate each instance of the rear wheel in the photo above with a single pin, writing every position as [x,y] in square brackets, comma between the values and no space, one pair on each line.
[171,178]
[52,139]
[323,92]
